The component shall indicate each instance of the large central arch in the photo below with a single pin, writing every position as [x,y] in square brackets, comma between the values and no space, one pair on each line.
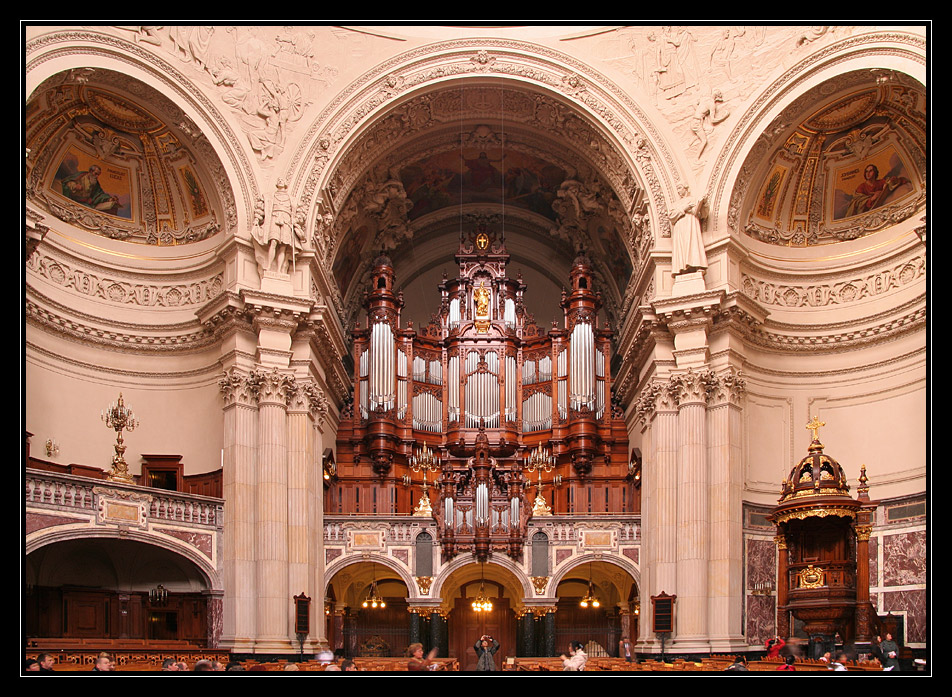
[540,108]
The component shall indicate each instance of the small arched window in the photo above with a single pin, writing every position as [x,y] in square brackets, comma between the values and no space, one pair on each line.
[540,554]
[423,545]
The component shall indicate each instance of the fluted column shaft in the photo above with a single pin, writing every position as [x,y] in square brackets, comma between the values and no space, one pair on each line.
[274,601]
[693,536]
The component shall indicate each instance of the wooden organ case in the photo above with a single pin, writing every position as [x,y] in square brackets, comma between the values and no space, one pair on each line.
[481,387]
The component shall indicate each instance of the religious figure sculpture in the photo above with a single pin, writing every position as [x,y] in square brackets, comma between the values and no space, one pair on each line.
[277,245]
[687,247]
[481,298]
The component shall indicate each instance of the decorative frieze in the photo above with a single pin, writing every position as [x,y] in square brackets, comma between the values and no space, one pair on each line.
[839,292]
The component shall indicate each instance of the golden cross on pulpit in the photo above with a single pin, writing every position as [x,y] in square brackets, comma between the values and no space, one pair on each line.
[815,426]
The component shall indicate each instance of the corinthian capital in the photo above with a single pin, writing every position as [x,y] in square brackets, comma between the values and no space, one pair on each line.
[691,387]
[238,387]
[307,395]
[274,386]
[727,387]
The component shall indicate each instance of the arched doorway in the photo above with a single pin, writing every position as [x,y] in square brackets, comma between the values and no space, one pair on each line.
[465,624]
[367,611]
[116,589]
[595,607]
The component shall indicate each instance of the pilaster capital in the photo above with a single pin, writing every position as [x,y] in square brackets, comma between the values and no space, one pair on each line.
[690,387]
[274,386]
[727,386]
[307,396]
[238,387]
[656,396]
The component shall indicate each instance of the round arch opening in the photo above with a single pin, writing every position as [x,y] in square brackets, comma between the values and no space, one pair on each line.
[105,589]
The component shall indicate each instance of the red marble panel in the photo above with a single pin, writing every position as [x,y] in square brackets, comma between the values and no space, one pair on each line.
[38,521]
[914,603]
[761,618]
[904,559]
[761,563]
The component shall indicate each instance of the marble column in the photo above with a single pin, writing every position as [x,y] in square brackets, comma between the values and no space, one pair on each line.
[693,534]
[548,633]
[240,416]
[416,634]
[438,634]
[725,457]
[657,409]
[304,486]
[274,603]
[526,644]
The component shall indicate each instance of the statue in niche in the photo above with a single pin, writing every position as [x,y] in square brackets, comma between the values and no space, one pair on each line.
[276,245]
[687,247]
[481,298]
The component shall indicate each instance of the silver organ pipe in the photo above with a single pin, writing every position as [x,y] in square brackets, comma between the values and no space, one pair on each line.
[427,412]
[436,373]
[510,388]
[401,384]
[382,360]
[482,503]
[514,512]
[364,367]
[562,386]
[453,388]
[419,369]
[454,318]
[582,367]
[537,412]
[509,313]
[482,391]
[600,384]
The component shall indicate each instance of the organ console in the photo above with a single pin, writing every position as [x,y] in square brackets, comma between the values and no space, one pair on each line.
[481,387]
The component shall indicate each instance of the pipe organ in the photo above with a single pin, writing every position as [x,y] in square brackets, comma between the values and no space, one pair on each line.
[482,385]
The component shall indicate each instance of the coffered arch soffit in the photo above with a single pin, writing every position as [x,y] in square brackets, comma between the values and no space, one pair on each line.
[544,110]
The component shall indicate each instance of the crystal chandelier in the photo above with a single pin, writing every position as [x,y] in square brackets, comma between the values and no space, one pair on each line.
[482,602]
[590,599]
[374,601]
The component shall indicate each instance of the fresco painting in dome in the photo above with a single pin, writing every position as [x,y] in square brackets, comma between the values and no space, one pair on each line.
[94,183]
[868,184]
[481,176]
[771,192]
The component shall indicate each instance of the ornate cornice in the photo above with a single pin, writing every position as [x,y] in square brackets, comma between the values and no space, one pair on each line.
[87,330]
[824,293]
[123,289]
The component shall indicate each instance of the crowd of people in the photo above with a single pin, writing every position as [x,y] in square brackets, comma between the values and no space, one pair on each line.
[885,650]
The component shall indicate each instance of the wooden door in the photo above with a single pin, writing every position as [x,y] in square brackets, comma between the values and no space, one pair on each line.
[465,626]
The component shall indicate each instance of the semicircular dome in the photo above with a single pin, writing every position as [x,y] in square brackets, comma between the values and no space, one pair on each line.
[113,156]
[846,159]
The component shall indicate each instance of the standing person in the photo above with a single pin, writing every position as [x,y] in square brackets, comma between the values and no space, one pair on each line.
[625,651]
[485,648]
[773,646]
[576,659]
[890,651]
